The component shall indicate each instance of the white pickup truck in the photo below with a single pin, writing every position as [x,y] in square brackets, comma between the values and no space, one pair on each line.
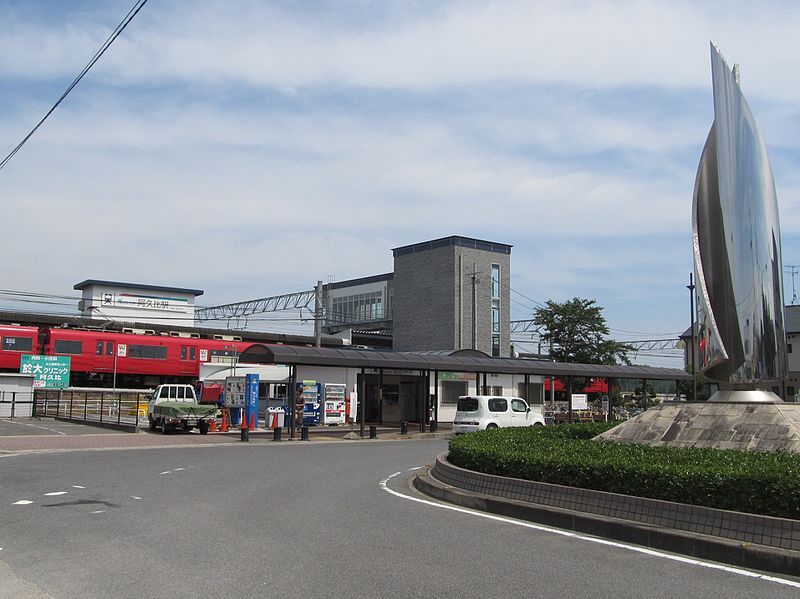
[175,407]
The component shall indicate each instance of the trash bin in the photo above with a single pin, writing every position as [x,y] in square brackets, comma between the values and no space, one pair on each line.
[275,418]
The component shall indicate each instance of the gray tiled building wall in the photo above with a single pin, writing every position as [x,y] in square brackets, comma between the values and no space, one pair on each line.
[433,299]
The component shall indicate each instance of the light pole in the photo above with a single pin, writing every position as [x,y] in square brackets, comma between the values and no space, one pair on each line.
[691,287]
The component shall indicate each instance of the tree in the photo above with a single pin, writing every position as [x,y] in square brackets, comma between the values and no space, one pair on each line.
[577,332]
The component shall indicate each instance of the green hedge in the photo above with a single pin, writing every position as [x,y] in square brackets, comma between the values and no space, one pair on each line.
[743,481]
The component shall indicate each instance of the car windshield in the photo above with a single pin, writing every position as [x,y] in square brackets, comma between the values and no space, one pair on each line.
[467,404]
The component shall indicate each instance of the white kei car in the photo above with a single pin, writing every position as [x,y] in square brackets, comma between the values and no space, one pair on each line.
[480,412]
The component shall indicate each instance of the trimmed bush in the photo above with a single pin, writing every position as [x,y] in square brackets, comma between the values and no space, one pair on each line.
[743,481]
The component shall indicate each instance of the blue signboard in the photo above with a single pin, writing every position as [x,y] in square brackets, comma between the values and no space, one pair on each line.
[251,401]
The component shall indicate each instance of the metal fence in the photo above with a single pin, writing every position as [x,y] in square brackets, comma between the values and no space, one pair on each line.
[120,406]
[16,404]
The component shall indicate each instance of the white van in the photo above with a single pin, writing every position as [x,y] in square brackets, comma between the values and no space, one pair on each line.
[479,412]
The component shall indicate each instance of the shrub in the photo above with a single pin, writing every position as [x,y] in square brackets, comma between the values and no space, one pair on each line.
[745,481]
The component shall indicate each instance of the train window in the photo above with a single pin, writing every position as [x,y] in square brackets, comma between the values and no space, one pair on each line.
[183,352]
[153,352]
[63,346]
[17,344]
[99,348]
[109,348]
[192,353]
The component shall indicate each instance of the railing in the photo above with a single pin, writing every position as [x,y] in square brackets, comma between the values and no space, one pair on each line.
[16,404]
[120,406]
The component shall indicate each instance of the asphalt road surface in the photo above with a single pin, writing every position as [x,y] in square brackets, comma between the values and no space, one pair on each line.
[301,520]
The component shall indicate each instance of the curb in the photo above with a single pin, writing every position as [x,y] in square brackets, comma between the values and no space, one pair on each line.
[745,555]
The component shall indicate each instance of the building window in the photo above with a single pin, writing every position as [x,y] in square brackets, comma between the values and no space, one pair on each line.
[789,347]
[495,281]
[362,307]
[452,390]
[17,344]
[790,392]
[495,346]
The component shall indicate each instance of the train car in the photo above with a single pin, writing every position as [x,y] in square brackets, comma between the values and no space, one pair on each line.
[128,359]
[16,341]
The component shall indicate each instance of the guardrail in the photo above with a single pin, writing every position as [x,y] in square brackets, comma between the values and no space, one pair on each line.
[104,406]
[16,404]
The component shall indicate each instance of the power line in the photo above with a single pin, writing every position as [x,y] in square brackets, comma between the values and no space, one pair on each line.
[138,5]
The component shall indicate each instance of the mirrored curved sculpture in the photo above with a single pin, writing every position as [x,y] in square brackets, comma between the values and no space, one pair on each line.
[737,250]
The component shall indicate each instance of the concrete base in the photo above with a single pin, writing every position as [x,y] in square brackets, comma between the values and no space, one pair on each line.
[755,426]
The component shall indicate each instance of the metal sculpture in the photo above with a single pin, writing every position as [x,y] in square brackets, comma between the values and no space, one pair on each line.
[737,251]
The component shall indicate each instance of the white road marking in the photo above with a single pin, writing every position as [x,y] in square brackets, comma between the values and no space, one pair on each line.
[599,541]
[135,497]
[44,428]
[178,469]
[23,502]
[97,512]
[77,487]
[55,493]
[163,473]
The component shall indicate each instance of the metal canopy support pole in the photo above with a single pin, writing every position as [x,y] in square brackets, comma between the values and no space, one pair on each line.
[527,384]
[477,383]
[291,398]
[422,399]
[569,396]
[435,400]
[380,396]
[362,399]
[609,386]
[644,393]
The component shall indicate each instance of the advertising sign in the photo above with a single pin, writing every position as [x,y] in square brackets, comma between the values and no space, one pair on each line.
[235,391]
[50,372]
[251,405]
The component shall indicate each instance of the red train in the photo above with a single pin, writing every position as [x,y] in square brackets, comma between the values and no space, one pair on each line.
[132,359]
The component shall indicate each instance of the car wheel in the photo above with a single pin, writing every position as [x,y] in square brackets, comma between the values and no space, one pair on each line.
[491,425]
[166,428]
[203,426]
[151,424]
[537,424]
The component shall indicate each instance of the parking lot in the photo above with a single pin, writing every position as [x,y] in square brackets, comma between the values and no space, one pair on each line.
[48,426]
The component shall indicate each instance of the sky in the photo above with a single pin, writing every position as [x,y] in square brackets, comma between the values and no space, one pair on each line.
[251,147]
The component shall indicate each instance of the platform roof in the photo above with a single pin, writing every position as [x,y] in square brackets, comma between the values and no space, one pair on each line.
[449,361]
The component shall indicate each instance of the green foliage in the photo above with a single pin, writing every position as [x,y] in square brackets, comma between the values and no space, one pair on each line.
[753,482]
[576,331]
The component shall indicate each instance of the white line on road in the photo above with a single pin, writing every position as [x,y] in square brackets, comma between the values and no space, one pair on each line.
[23,502]
[52,430]
[599,541]
[78,487]
[55,493]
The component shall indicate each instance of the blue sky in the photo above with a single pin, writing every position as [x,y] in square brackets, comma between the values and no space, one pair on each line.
[250,148]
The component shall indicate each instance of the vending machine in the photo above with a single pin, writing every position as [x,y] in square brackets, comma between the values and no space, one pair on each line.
[311,403]
[335,402]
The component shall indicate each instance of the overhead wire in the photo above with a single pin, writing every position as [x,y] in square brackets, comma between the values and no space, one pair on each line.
[138,5]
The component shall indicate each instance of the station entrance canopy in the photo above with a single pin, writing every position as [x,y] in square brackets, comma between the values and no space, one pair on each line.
[465,360]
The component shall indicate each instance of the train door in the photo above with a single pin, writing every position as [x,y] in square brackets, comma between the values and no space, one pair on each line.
[188,364]
[104,356]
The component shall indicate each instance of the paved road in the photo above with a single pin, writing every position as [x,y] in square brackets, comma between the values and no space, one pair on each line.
[298,520]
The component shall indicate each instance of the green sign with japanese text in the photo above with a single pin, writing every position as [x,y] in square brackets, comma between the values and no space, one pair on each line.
[50,372]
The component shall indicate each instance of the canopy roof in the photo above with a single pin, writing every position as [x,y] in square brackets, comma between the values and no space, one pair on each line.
[465,360]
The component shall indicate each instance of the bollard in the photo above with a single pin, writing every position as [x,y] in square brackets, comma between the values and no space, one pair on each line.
[245,434]
[277,432]
[434,426]
[304,433]
[404,428]
[373,432]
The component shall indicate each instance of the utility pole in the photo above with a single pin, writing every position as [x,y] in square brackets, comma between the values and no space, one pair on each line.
[318,315]
[691,287]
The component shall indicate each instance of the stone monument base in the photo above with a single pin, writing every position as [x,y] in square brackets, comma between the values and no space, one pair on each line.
[737,425]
